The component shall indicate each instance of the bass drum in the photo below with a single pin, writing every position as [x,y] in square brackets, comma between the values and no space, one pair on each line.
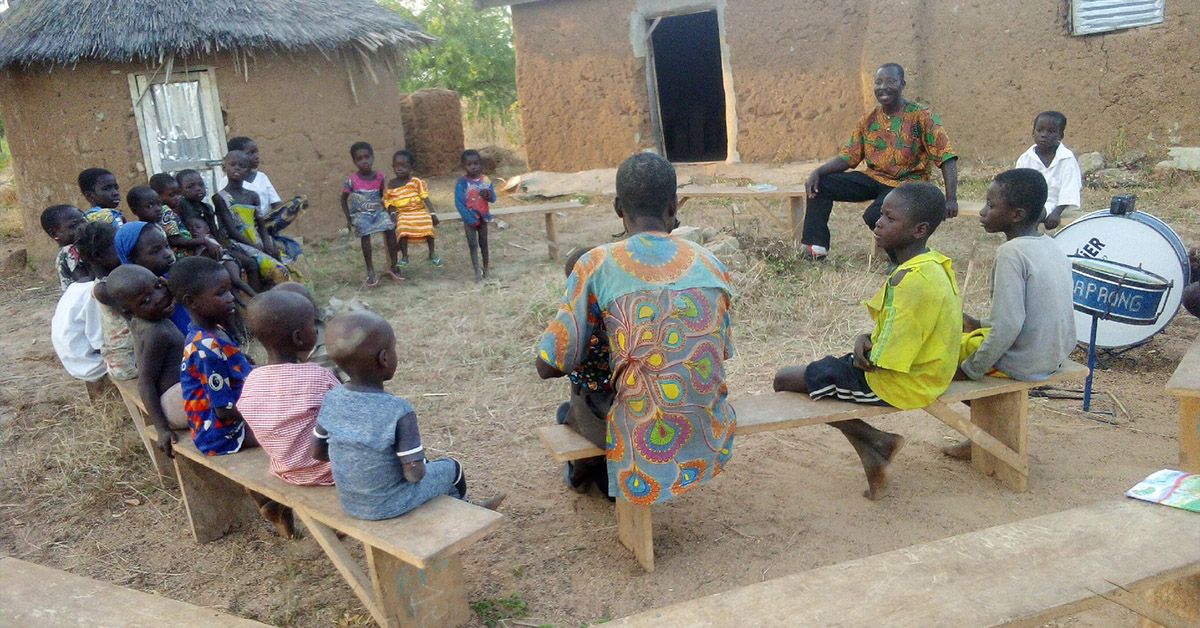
[1135,239]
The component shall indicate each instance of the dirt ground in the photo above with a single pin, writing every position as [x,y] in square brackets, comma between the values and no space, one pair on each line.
[77,493]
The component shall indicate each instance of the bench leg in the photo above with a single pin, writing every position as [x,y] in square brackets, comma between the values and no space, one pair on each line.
[1189,434]
[161,463]
[340,557]
[796,218]
[409,597]
[552,236]
[636,532]
[1174,604]
[213,502]
[1004,417]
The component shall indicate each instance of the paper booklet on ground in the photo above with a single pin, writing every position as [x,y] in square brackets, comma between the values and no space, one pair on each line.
[1169,488]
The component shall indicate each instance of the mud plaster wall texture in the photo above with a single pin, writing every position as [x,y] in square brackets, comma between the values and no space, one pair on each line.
[299,108]
[433,129]
[802,71]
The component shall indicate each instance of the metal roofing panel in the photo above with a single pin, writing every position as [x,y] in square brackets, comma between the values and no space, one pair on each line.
[1099,16]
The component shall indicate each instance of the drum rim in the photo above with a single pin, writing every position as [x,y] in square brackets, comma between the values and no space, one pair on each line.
[1150,220]
[1163,284]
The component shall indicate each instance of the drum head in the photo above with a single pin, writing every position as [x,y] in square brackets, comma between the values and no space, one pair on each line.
[1137,239]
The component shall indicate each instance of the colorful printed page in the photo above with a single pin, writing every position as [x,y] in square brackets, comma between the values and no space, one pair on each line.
[1169,488]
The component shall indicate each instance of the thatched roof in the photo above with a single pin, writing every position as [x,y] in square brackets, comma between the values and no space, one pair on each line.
[67,31]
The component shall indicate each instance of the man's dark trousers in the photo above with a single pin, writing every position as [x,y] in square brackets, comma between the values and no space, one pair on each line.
[853,186]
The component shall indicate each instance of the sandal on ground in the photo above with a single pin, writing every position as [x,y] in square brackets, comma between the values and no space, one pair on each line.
[395,273]
[372,280]
[402,263]
[435,261]
[807,253]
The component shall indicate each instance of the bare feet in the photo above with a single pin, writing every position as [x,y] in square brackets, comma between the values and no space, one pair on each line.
[493,502]
[791,378]
[876,455]
[280,516]
[958,451]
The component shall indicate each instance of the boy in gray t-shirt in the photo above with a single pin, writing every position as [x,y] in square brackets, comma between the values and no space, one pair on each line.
[370,436]
[1031,329]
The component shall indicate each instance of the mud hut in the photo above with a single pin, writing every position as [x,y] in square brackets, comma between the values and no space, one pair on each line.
[145,86]
[763,80]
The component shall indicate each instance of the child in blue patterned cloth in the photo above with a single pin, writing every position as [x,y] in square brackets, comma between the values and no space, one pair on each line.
[362,203]
[586,410]
[370,435]
[64,223]
[101,189]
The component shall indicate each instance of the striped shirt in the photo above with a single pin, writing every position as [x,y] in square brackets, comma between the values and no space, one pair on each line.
[280,403]
[407,202]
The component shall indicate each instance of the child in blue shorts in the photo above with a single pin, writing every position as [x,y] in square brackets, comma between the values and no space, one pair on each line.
[370,435]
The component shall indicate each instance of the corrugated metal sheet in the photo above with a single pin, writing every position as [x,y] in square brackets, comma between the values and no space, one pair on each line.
[1099,16]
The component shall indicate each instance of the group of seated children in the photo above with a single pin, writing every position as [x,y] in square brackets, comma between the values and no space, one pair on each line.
[400,209]
[638,299]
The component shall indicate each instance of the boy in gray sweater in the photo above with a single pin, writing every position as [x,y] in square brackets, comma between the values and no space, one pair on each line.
[1031,330]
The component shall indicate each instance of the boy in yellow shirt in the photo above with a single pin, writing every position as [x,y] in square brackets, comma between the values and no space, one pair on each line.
[910,356]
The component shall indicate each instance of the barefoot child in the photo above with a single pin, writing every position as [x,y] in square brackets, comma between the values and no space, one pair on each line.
[910,356]
[280,400]
[64,223]
[1031,330]
[193,209]
[273,215]
[1056,163]
[664,303]
[472,193]
[157,343]
[235,209]
[408,199]
[319,354]
[371,436]
[96,250]
[586,410]
[102,192]
[362,203]
[214,369]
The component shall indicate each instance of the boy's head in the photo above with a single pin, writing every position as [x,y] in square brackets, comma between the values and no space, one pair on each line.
[95,247]
[236,165]
[143,201]
[144,244]
[363,344]
[246,145]
[403,163]
[284,322]
[168,190]
[1014,198]
[300,289]
[63,223]
[197,227]
[472,163]
[191,185]
[646,189]
[573,258]
[202,285]
[100,188]
[910,214]
[363,156]
[137,292]
[1048,129]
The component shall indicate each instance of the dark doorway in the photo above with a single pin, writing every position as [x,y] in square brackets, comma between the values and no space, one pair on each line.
[691,86]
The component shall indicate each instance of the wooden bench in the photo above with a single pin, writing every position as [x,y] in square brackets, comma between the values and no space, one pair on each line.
[997,429]
[33,596]
[415,572]
[1185,385]
[1025,573]
[549,209]
[794,195]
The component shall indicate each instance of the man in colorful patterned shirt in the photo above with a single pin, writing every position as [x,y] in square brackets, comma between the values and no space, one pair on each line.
[664,304]
[897,140]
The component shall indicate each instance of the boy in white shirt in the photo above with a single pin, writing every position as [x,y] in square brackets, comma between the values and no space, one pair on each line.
[1056,163]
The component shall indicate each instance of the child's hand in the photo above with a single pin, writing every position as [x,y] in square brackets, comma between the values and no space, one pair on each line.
[970,323]
[862,353]
[213,248]
[436,222]
[414,471]
[165,439]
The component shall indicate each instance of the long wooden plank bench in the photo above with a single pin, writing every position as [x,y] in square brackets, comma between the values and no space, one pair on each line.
[549,209]
[997,429]
[1018,574]
[414,574]
[33,596]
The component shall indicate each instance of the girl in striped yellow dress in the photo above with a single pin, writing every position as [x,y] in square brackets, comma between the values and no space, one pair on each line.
[406,197]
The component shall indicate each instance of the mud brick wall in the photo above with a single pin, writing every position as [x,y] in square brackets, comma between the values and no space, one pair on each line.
[433,129]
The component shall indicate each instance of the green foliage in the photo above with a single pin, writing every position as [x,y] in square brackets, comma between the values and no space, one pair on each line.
[496,610]
[475,57]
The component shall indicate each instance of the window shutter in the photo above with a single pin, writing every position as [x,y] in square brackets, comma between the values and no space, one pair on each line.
[1100,16]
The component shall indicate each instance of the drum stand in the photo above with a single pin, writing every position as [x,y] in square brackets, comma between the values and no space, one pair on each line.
[1087,384]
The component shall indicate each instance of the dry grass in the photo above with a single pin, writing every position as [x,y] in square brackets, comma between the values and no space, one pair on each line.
[78,495]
